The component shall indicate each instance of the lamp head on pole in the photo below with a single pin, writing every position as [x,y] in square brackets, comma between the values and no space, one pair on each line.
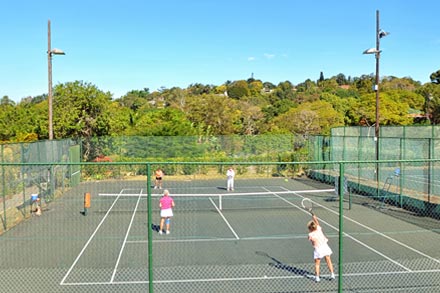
[56,51]
[383,33]
[371,51]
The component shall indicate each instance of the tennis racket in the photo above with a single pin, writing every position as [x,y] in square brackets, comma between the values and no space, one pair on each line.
[307,204]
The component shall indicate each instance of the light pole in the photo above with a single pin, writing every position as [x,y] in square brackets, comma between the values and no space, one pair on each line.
[376,51]
[50,52]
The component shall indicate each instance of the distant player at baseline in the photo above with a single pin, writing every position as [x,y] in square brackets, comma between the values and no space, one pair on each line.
[230,174]
[158,178]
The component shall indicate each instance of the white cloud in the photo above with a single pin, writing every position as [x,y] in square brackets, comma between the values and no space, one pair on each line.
[251,58]
[269,56]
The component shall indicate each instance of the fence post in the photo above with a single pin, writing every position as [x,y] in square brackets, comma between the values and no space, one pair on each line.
[341,225]
[3,190]
[150,231]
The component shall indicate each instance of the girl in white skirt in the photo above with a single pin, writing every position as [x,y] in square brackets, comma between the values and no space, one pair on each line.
[321,248]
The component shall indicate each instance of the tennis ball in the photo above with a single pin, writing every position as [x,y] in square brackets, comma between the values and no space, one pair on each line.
[287,180]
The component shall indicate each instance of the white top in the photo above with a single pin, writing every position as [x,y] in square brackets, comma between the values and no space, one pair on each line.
[230,173]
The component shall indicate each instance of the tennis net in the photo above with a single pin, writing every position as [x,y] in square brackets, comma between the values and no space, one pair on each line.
[191,202]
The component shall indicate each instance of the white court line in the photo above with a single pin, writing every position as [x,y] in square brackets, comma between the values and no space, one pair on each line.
[349,236]
[389,273]
[74,173]
[226,221]
[260,238]
[125,239]
[88,242]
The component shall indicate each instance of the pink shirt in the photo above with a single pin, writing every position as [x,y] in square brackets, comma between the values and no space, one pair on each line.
[317,238]
[166,202]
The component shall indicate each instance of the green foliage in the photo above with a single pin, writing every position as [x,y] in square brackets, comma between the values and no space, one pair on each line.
[163,122]
[238,89]
[435,77]
[310,119]
[344,106]
[249,107]
[134,99]
[364,84]
[328,85]
[215,113]
[80,110]
[392,109]
[394,83]
[255,87]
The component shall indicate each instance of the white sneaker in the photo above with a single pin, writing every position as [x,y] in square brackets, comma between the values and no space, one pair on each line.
[317,279]
[168,232]
[332,276]
[155,187]
[160,232]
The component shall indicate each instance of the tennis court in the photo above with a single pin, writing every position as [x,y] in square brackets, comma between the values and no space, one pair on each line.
[253,239]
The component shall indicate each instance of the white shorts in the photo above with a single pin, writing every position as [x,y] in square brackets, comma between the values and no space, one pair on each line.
[322,251]
[166,213]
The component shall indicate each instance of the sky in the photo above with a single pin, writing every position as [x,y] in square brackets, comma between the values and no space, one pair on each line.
[120,46]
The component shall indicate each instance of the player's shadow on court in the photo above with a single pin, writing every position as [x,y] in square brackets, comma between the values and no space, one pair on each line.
[280,265]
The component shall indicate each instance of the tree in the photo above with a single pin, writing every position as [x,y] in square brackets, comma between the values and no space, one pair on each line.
[392,110]
[434,109]
[238,89]
[328,85]
[135,99]
[7,101]
[321,77]
[285,90]
[163,122]
[310,118]
[81,110]
[395,83]
[431,93]
[268,86]
[121,120]
[7,120]
[364,84]
[214,114]
[200,89]
[175,97]
[251,117]
[435,77]
[341,79]
[255,87]
[344,106]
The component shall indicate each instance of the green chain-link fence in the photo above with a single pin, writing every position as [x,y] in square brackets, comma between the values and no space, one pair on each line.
[383,234]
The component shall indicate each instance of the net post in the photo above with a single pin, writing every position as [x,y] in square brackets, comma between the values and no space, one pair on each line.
[87,203]
[349,199]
